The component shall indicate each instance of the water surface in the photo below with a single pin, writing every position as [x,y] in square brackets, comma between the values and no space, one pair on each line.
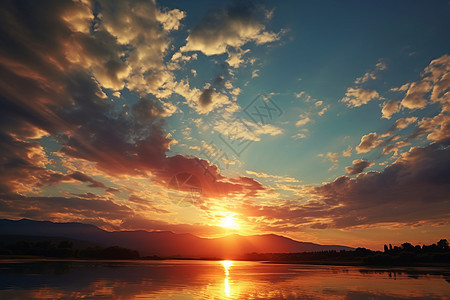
[215,280]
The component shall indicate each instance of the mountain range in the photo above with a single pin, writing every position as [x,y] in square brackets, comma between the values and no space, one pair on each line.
[165,243]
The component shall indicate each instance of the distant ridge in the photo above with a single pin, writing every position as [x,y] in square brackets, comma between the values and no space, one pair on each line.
[165,243]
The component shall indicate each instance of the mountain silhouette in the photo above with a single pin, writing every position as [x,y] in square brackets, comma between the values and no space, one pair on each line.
[165,243]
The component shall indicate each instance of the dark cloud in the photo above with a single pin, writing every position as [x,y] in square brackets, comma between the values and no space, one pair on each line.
[84,178]
[210,92]
[228,27]
[213,183]
[205,98]
[358,166]
[219,80]
[112,190]
[413,190]
[86,195]
[62,208]
[146,111]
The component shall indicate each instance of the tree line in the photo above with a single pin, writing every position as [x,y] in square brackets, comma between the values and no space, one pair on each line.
[406,254]
[64,249]
[403,255]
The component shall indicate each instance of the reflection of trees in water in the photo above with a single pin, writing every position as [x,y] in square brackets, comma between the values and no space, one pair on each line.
[410,273]
[126,278]
[38,268]
[130,279]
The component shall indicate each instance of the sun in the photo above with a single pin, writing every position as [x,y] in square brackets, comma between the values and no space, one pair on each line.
[229,222]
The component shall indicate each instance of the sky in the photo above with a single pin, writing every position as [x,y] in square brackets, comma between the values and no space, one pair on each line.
[321,121]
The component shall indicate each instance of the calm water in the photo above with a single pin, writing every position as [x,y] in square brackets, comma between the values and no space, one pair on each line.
[215,280]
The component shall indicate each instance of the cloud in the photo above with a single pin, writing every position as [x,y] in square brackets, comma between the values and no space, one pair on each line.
[390,108]
[439,73]
[170,19]
[228,28]
[322,111]
[411,191]
[52,74]
[57,63]
[22,165]
[401,88]
[240,129]
[299,135]
[372,75]
[374,140]
[137,24]
[147,110]
[206,100]
[178,57]
[394,148]
[347,152]
[358,166]
[333,157]
[415,95]
[235,57]
[63,209]
[355,97]
[299,95]
[435,79]
[402,123]
[368,142]
[437,127]
[84,178]
[144,204]
[303,121]
[277,177]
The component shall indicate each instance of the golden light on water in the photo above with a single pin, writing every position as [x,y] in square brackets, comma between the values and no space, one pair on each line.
[226,287]
[226,283]
[227,265]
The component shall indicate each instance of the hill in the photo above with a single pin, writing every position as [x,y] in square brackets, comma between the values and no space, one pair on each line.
[165,243]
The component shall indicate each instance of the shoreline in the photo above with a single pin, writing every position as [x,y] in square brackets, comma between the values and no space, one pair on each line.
[6,258]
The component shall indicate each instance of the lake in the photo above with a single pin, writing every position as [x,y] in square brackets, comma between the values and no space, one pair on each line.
[183,279]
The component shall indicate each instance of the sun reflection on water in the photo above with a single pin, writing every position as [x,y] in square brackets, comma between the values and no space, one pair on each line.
[226,283]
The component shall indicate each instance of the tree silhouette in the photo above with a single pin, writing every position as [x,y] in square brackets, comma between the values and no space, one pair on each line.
[407,247]
[443,244]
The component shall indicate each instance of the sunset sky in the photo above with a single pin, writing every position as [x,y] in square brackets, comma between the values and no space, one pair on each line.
[323,121]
